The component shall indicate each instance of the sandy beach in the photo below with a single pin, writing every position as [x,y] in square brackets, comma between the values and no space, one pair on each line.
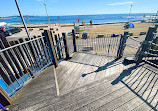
[116,28]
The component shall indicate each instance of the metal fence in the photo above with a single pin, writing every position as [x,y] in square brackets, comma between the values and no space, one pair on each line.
[151,56]
[22,59]
[132,45]
[98,43]
[59,46]
[70,44]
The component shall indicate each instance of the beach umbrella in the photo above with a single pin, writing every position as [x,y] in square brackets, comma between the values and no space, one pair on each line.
[131,25]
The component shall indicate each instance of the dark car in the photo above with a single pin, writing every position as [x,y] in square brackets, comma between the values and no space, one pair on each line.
[9,30]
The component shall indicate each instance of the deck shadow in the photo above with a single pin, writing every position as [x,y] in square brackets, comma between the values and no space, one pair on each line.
[142,87]
[106,66]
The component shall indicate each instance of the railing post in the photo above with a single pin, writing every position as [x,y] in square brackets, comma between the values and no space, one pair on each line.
[122,45]
[146,44]
[74,40]
[66,45]
[49,38]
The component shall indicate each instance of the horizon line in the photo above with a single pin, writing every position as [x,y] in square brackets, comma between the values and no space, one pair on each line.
[78,14]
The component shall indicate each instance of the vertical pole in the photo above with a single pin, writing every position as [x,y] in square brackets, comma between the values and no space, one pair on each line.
[66,45]
[22,19]
[130,13]
[47,15]
[74,40]
[48,36]
[145,47]
[122,45]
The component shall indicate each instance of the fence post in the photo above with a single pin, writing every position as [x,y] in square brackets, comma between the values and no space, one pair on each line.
[146,44]
[66,45]
[122,45]
[48,36]
[74,40]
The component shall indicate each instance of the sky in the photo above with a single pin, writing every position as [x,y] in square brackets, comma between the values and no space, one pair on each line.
[77,7]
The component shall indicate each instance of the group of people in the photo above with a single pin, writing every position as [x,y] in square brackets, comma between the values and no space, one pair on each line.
[91,23]
[83,22]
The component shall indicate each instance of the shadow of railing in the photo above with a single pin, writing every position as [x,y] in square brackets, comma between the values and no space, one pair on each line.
[142,82]
[113,63]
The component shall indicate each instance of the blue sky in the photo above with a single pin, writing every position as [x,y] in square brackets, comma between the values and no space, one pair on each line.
[77,7]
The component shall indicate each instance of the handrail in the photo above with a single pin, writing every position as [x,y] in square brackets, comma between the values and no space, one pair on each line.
[60,50]
[58,42]
[135,40]
[132,46]
[20,44]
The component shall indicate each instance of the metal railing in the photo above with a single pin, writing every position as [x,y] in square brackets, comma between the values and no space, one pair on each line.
[151,56]
[98,43]
[20,60]
[132,45]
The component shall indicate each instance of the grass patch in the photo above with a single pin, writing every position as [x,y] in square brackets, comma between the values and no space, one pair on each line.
[86,30]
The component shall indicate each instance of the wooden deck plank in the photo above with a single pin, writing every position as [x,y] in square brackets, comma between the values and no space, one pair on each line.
[101,71]
[65,65]
[123,89]
[71,76]
[80,73]
[90,71]
[86,70]
[65,76]
[104,94]
[130,99]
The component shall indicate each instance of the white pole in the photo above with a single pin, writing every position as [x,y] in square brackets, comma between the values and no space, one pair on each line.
[130,12]
[22,19]
[47,14]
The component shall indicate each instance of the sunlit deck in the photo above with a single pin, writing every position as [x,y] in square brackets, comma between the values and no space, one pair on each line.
[90,82]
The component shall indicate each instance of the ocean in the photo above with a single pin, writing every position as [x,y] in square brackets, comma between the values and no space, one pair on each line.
[102,18]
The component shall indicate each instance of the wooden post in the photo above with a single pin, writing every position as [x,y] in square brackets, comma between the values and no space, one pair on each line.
[5,99]
[48,36]
[66,45]
[74,40]
[146,44]
[122,45]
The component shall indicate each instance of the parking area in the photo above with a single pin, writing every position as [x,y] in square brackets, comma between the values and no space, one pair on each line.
[38,31]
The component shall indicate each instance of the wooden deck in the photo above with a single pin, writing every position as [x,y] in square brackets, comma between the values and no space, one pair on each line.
[108,85]
[84,68]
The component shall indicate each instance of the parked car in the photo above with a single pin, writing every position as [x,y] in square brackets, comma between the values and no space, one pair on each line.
[9,30]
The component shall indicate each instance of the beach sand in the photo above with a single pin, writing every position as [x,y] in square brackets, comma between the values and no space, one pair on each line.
[116,28]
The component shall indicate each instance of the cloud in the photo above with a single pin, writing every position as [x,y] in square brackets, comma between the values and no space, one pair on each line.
[121,3]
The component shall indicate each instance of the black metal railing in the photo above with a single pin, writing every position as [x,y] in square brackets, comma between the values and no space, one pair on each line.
[98,43]
[22,59]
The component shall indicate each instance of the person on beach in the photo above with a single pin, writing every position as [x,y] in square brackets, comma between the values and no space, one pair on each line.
[91,23]
[126,26]
[84,24]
